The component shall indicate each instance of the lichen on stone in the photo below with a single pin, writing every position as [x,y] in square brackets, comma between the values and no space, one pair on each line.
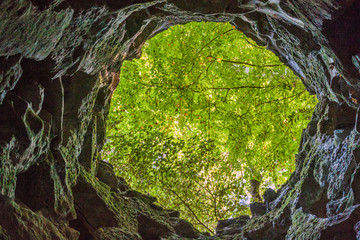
[56,62]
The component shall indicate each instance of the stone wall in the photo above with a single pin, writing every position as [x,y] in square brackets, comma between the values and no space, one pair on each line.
[59,61]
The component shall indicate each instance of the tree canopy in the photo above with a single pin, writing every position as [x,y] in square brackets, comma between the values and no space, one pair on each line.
[200,114]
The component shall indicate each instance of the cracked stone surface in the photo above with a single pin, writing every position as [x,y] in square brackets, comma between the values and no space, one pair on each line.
[57,62]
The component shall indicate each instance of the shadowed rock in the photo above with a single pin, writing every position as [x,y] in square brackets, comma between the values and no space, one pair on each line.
[58,60]
[232,225]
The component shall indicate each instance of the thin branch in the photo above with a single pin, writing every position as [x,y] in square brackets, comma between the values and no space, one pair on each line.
[227,92]
[211,88]
[239,87]
[204,46]
[208,43]
[216,210]
[253,44]
[276,100]
[247,64]
[209,120]
[207,71]
[281,141]
[188,207]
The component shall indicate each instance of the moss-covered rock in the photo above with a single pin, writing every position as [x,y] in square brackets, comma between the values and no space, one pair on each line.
[58,65]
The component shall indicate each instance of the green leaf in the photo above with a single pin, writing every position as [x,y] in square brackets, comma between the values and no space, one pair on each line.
[201,113]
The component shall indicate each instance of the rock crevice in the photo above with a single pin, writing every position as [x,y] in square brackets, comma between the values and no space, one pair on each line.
[58,65]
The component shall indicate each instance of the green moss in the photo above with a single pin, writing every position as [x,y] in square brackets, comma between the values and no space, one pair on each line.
[8,170]
[63,198]
[3,234]
[124,209]
[35,226]
[305,226]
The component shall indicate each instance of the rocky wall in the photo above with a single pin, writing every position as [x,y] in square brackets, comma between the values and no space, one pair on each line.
[59,64]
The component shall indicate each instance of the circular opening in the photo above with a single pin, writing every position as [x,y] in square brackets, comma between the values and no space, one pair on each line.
[206,120]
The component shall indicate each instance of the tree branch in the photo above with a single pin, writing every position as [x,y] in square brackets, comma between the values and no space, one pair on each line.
[239,87]
[252,44]
[187,206]
[208,43]
[276,100]
[247,64]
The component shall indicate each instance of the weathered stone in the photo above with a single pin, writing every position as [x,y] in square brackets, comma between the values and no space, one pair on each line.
[269,196]
[19,222]
[114,234]
[106,174]
[272,226]
[257,209]
[58,60]
[91,209]
[233,225]
[150,229]
[184,229]
[173,213]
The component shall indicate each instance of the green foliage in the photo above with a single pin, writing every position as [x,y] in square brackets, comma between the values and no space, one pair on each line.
[203,111]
